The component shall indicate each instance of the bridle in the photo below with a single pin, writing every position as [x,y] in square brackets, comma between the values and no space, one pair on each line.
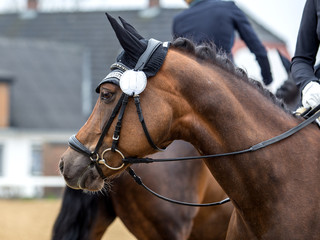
[117,70]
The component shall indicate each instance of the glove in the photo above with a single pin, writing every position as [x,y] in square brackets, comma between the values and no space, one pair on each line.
[311,95]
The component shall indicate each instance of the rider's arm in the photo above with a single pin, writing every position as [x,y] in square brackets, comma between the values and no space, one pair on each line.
[302,67]
[252,41]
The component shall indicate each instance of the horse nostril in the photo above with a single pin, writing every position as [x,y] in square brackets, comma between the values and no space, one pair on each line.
[61,166]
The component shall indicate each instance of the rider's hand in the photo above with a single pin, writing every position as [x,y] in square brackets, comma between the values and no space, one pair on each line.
[311,95]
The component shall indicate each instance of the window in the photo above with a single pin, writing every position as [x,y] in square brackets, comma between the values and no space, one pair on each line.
[1,160]
[36,161]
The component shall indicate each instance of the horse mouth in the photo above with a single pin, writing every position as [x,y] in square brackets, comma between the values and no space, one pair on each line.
[90,180]
[86,178]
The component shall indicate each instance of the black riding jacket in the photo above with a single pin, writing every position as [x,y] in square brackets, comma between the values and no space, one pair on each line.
[302,66]
[217,21]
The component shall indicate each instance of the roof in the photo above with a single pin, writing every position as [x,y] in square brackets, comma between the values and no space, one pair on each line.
[68,33]
[43,72]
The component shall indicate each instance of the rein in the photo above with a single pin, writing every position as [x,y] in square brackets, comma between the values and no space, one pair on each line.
[311,115]
[139,181]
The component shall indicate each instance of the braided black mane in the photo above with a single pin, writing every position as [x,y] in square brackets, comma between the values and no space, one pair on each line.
[209,53]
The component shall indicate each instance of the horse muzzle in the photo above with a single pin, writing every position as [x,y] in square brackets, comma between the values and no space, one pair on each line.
[79,172]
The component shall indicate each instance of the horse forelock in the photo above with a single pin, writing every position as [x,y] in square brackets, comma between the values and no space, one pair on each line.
[207,52]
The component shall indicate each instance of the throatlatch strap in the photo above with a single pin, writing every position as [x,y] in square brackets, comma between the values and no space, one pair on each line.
[144,126]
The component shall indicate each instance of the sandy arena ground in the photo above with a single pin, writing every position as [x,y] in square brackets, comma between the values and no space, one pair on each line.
[33,220]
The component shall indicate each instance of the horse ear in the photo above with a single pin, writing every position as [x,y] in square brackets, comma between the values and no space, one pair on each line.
[129,42]
[285,62]
[130,28]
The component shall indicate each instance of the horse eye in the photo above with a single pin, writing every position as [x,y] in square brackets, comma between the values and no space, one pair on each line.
[106,96]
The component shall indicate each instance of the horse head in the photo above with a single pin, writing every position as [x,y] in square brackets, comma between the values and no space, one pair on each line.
[113,131]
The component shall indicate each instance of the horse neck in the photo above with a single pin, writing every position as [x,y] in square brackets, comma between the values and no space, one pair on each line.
[223,114]
[226,114]
[223,110]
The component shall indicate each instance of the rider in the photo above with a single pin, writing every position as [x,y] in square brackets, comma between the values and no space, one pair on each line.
[215,20]
[302,66]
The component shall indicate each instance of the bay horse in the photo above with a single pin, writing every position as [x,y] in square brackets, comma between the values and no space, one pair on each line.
[199,96]
[87,216]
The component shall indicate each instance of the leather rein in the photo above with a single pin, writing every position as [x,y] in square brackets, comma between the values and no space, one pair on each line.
[97,160]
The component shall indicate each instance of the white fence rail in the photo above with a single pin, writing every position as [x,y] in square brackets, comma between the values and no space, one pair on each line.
[28,187]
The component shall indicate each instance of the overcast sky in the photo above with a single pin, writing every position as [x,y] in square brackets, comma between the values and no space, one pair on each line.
[280,16]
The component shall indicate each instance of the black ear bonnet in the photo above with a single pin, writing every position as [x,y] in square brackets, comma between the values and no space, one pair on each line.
[138,54]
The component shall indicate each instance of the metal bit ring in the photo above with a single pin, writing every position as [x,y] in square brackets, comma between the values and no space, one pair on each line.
[103,161]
